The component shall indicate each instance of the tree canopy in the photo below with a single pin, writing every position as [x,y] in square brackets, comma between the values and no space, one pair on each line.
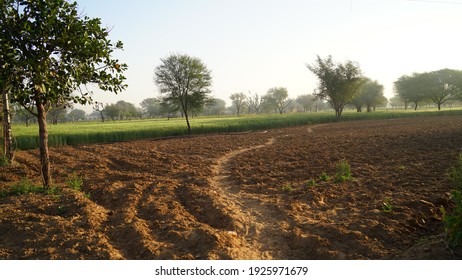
[278,97]
[436,86]
[337,83]
[184,81]
[50,55]
[370,94]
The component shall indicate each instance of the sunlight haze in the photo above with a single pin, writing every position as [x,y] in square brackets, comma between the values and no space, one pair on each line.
[255,45]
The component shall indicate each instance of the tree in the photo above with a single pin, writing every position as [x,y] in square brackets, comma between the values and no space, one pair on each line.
[413,88]
[57,112]
[99,107]
[279,97]
[151,107]
[255,102]
[338,83]
[444,85]
[306,101]
[112,111]
[238,100]
[126,110]
[76,115]
[22,115]
[396,102]
[215,107]
[370,94]
[7,60]
[54,53]
[184,81]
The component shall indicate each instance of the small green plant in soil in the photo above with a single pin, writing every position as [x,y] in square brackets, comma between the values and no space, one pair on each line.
[310,183]
[75,182]
[343,171]
[324,177]
[26,187]
[3,161]
[287,187]
[453,220]
[387,205]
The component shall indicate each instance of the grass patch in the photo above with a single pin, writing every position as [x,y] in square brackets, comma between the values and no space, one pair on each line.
[25,187]
[75,182]
[3,161]
[343,172]
[324,177]
[453,220]
[310,183]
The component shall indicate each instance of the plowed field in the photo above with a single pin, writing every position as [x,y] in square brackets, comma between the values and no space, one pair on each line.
[256,195]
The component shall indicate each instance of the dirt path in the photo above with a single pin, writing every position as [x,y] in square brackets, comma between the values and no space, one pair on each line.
[260,225]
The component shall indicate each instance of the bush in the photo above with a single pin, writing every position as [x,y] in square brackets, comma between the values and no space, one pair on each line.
[343,172]
[75,182]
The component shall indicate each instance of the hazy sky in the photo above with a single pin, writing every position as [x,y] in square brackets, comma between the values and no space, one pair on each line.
[255,45]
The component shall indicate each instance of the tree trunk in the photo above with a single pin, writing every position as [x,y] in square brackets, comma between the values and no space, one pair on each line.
[44,153]
[439,106]
[338,113]
[187,122]
[7,139]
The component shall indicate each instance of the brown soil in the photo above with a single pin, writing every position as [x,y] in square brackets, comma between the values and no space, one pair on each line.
[243,196]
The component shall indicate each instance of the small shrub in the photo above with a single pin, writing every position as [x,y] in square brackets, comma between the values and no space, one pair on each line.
[324,177]
[75,182]
[343,172]
[402,167]
[310,183]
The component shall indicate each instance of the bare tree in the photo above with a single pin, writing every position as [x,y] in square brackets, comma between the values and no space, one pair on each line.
[99,107]
[256,102]
[238,100]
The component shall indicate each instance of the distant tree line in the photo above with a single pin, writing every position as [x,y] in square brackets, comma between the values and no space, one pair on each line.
[437,87]
[342,84]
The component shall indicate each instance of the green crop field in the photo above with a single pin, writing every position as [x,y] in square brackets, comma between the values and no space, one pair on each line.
[113,131]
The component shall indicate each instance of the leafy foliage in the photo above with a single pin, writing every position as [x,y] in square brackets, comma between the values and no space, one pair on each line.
[25,187]
[278,97]
[453,221]
[370,95]
[49,52]
[343,172]
[387,205]
[338,83]
[437,86]
[238,100]
[184,81]
[75,182]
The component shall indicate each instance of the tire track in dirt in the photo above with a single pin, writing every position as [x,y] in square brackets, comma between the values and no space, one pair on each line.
[262,227]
